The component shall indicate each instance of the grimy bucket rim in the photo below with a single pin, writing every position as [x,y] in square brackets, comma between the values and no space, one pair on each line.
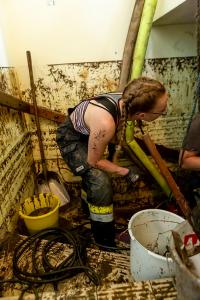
[133,238]
[43,215]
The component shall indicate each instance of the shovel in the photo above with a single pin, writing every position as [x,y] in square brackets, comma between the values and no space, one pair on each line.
[47,181]
[193,216]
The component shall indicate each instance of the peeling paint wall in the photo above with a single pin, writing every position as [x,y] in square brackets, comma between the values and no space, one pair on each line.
[58,88]
[63,86]
[179,76]
[16,175]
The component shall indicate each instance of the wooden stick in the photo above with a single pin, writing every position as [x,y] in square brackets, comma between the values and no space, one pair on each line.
[39,133]
[12,102]
[179,246]
[182,202]
[167,175]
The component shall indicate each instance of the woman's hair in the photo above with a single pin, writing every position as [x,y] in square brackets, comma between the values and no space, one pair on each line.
[139,95]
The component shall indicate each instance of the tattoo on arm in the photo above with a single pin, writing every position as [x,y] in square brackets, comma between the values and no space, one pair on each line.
[97,136]
[100,134]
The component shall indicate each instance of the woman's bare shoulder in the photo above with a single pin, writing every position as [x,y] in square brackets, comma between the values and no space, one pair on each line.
[99,118]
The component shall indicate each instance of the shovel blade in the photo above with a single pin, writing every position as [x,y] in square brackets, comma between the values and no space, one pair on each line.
[43,188]
[53,185]
[59,190]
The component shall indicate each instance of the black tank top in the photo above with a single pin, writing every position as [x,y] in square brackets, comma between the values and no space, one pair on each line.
[108,101]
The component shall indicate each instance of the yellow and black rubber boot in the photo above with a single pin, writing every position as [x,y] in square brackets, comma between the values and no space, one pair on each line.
[102,225]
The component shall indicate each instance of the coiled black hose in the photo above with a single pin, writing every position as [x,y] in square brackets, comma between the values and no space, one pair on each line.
[73,264]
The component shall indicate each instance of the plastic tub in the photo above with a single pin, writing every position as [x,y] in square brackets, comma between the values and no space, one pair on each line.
[30,207]
[150,231]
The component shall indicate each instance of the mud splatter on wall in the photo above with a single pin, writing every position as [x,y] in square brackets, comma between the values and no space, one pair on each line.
[60,87]
[63,86]
[16,175]
[179,76]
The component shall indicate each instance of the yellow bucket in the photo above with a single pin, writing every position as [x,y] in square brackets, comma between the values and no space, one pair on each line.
[40,212]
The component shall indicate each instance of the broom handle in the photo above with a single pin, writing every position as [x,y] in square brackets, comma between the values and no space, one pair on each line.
[33,94]
[182,202]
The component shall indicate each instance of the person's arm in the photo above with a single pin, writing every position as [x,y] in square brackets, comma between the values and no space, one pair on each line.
[189,160]
[100,136]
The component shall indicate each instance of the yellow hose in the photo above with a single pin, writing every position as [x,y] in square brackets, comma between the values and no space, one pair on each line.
[143,37]
[150,166]
[144,158]
[138,62]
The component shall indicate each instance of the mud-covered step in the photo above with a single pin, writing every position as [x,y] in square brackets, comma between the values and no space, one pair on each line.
[147,290]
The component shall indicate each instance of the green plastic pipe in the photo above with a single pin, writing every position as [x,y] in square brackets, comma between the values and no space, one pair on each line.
[145,160]
[129,131]
[138,62]
[143,37]
[150,166]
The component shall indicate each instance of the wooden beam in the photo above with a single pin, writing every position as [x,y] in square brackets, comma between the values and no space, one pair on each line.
[22,106]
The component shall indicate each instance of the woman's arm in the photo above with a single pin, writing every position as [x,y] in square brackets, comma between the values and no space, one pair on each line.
[99,138]
[190,160]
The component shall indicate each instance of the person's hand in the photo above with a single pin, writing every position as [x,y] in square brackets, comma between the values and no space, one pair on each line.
[132,176]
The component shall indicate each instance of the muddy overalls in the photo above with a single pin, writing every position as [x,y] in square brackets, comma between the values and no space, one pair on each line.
[96,183]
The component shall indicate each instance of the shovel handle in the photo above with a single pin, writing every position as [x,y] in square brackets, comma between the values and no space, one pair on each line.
[33,94]
[182,202]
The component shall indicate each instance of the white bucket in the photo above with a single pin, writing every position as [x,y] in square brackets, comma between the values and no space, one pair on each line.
[150,232]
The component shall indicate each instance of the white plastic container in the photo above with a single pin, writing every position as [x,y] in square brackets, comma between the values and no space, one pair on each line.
[150,232]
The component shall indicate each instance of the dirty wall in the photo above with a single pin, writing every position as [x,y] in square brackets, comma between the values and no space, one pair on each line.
[62,86]
[16,159]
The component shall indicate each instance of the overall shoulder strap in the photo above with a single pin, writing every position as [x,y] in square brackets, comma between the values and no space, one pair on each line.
[110,102]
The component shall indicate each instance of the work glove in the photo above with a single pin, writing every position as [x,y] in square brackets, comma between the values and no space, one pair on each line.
[132,175]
